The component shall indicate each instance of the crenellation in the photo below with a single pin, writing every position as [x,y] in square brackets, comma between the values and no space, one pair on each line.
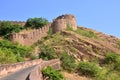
[28,37]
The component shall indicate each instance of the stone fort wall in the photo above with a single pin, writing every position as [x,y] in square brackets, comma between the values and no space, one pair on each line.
[61,23]
[28,37]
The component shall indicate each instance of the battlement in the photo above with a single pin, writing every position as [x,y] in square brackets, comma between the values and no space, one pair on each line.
[28,37]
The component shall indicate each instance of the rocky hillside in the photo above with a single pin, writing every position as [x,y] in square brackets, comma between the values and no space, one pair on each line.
[82,44]
[86,53]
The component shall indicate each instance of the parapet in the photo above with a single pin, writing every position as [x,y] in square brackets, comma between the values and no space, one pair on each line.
[29,37]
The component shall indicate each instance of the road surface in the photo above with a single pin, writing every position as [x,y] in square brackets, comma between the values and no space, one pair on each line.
[19,75]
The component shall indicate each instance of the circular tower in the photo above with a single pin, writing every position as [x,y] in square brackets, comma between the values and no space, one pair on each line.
[63,21]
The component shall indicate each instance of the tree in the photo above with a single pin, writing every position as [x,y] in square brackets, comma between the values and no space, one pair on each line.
[7,28]
[36,22]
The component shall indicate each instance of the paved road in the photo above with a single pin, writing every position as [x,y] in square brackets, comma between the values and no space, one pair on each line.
[19,75]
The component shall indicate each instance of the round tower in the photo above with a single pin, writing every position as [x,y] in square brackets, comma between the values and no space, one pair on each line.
[63,21]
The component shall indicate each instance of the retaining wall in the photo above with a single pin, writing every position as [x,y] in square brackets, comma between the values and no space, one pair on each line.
[8,68]
[36,73]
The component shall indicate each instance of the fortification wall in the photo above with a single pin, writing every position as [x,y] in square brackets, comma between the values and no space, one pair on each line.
[61,23]
[28,37]
[36,73]
[8,68]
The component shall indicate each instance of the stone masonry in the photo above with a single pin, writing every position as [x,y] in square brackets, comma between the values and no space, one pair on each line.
[61,23]
[28,37]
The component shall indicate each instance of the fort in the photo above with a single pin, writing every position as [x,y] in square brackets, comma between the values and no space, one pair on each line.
[28,37]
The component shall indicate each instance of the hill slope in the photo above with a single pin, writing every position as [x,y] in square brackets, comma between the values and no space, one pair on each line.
[84,45]
[80,46]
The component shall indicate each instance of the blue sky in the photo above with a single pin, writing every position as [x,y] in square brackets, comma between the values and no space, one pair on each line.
[101,15]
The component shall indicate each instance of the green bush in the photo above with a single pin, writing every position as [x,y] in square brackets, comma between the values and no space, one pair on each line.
[57,37]
[47,52]
[7,28]
[117,66]
[113,61]
[69,28]
[111,58]
[68,62]
[11,53]
[19,58]
[49,33]
[52,74]
[36,22]
[7,56]
[88,69]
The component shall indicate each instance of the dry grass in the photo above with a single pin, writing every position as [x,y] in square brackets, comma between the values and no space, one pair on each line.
[74,76]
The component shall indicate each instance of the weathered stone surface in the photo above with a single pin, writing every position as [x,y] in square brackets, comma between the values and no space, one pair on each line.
[31,36]
[8,68]
[35,65]
[36,73]
[61,23]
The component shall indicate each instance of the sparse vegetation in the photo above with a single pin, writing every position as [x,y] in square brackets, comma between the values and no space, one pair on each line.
[110,70]
[65,47]
[88,69]
[47,52]
[49,32]
[68,62]
[64,44]
[69,28]
[89,34]
[11,53]
[111,58]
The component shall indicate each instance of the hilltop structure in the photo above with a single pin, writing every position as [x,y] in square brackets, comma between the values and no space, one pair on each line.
[64,21]
[28,37]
